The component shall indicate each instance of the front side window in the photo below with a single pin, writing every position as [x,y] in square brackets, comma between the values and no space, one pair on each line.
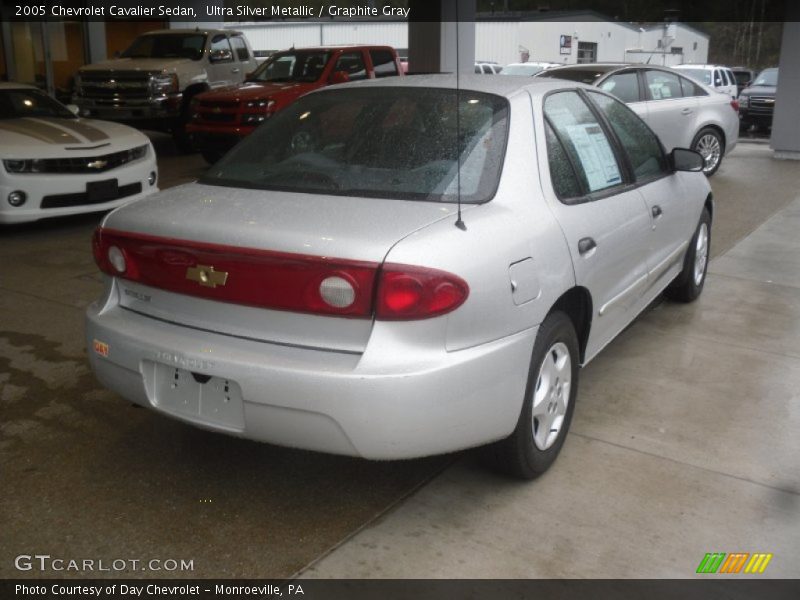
[299,66]
[662,85]
[352,63]
[395,143]
[383,63]
[584,140]
[221,48]
[640,144]
[624,86]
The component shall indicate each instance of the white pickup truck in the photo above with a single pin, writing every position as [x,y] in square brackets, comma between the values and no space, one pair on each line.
[151,84]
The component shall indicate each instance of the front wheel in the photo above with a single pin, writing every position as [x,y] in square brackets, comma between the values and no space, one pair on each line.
[548,404]
[689,283]
[709,143]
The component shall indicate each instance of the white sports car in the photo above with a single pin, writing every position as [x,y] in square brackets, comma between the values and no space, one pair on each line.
[55,164]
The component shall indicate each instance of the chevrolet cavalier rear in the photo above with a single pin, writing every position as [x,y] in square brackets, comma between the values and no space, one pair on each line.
[384,278]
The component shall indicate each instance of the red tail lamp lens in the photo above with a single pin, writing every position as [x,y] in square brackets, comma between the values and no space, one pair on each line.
[408,293]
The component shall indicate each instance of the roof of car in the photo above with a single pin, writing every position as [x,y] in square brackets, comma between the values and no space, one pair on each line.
[188,30]
[502,86]
[700,66]
[13,85]
[334,47]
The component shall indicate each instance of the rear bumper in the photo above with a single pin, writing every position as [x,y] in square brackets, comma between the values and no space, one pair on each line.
[394,401]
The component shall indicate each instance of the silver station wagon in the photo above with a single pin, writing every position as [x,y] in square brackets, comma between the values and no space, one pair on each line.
[401,267]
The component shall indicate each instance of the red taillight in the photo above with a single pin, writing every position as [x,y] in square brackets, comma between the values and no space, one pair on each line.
[278,280]
[735,105]
[408,293]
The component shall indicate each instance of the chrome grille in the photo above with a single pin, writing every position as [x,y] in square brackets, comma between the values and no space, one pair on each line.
[111,85]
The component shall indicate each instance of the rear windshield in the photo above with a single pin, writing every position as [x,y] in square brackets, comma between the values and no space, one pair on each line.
[172,45]
[767,77]
[701,75]
[522,70]
[381,142]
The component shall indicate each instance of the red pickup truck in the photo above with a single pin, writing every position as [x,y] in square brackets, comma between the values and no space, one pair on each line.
[220,118]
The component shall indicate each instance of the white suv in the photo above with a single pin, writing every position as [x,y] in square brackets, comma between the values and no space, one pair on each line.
[714,76]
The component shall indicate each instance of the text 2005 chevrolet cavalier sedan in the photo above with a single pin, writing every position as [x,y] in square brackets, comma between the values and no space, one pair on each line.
[316,289]
[54,164]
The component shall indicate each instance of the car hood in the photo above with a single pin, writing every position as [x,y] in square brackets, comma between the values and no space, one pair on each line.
[51,137]
[760,90]
[312,224]
[254,90]
[138,64]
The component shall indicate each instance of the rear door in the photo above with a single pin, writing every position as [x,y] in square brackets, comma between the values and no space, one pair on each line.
[669,114]
[223,68]
[604,218]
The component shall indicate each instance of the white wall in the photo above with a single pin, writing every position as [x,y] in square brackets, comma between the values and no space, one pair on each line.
[498,41]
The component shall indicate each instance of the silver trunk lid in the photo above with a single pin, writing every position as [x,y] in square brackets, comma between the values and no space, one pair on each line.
[348,228]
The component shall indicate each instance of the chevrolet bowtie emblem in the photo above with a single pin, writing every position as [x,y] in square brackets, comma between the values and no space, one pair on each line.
[206,276]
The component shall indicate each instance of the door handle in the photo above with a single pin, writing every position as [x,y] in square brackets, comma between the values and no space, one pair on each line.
[656,211]
[586,245]
[686,111]
[235,70]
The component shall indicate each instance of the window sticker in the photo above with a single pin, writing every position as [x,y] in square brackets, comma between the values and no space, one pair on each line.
[595,154]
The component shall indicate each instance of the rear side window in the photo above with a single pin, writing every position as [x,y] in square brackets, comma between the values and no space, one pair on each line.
[383,63]
[691,89]
[662,85]
[352,63]
[624,86]
[240,48]
[640,144]
[584,140]
[565,182]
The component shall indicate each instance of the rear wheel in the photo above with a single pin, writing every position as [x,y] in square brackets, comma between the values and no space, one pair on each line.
[710,144]
[689,284]
[548,405]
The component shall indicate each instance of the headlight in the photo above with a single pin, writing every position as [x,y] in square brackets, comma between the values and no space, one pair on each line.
[744,101]
[164,84]
[137,153]
[12,165]
[265,104]
[253,118]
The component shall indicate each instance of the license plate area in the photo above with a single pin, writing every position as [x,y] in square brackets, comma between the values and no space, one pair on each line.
[198,397]
[101,191]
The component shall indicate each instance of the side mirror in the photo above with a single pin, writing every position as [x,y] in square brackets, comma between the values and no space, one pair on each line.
[74,109]
[340,77]
[683,159]
[220,56]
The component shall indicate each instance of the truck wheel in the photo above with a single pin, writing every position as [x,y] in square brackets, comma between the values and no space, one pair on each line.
[181,138]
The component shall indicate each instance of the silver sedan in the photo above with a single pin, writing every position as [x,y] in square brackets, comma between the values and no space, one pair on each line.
[401,267]
[683,112]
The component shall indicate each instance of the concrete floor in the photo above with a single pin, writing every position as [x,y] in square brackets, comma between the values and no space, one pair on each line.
[684,442]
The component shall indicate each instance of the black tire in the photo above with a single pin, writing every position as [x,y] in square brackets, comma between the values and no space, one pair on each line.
[519,455]
[686,287]
[210,156]
[701,141]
